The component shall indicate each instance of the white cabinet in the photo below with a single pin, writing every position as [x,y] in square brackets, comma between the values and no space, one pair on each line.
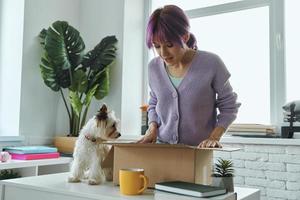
[27,168]
[56,187]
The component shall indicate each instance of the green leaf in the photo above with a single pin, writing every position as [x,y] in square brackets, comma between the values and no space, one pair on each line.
[8,174]
[63,52]
[90,95]
[63,66]
[75,102]
[53,77]
[102,55]
[103,83]
[49,75]
[224,168]
[42,37]
[64,45]
[80,81]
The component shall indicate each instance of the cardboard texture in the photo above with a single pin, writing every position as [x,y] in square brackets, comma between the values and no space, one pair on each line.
[162,162]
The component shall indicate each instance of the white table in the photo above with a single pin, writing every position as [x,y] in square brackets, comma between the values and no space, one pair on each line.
[55,186]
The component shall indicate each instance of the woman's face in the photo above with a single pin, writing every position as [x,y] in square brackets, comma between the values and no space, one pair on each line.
[172,54]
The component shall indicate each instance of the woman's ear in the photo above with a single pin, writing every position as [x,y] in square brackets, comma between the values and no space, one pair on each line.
[186,37]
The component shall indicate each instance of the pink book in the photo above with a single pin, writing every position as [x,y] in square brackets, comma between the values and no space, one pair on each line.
[34,156]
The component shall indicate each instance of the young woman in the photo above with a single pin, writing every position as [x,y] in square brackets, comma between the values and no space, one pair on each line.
[187,85]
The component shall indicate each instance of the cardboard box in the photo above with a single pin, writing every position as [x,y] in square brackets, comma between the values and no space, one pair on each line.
[163,162]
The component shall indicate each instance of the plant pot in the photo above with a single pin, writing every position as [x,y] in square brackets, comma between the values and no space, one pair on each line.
[224,182]
[65,144]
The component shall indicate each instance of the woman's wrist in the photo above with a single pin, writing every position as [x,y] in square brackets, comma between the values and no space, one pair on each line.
[153,125]
[217,133]
[214,137]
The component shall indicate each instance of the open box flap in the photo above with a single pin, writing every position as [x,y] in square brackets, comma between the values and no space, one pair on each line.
[109,159]
[154,145]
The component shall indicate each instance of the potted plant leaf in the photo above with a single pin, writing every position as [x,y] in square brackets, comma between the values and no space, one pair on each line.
[223,174]
[8,174]
[77,76]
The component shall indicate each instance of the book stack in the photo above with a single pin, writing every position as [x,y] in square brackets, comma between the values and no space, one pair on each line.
[252,130]
[189,189]
[32,152]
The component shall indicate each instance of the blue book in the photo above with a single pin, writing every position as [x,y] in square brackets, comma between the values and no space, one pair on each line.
[30,149]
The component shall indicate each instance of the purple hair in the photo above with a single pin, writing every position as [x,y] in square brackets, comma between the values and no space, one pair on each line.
[169,24]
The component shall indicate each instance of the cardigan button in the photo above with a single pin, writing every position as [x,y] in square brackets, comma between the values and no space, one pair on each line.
[175,138]
[175,117]
[174,94]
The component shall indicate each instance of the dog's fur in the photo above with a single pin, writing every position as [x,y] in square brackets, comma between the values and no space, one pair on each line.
[89,149]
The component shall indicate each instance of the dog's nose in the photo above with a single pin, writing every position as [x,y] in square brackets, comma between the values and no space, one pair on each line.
[118,135]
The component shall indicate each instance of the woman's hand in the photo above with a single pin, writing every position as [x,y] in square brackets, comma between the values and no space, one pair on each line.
[210,143]
[214,138]
[151,134]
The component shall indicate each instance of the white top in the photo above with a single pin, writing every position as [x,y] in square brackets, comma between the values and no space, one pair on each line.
[57,183]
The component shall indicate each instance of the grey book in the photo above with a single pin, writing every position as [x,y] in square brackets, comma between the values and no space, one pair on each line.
[190,189]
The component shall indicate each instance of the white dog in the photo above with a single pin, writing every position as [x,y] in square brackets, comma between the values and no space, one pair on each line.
[89,149]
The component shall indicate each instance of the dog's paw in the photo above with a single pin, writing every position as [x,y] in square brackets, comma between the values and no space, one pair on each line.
[94,182]
[72,179]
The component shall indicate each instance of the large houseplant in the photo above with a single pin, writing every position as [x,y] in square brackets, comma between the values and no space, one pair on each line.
[77,76]
[223,174]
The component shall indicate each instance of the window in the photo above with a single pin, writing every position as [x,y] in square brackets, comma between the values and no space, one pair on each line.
[11,40]
[231,35]
[189,4]
[248,36]
[292,36]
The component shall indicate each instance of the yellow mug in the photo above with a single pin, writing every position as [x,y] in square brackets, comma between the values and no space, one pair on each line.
[132,181]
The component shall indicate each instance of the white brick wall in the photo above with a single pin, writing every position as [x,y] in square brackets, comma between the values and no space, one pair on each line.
[265,165]
[269,149]
[239,180]
[293,168]
[284,158]
[293,150]
[249,156]
[274,169]
[293,186]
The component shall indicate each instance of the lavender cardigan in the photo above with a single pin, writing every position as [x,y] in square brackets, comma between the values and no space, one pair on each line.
[188,114]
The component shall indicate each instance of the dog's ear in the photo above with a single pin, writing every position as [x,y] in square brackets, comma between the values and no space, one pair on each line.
[103,108]
[102,113]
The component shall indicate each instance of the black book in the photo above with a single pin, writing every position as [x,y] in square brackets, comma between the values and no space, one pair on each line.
[190,189]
